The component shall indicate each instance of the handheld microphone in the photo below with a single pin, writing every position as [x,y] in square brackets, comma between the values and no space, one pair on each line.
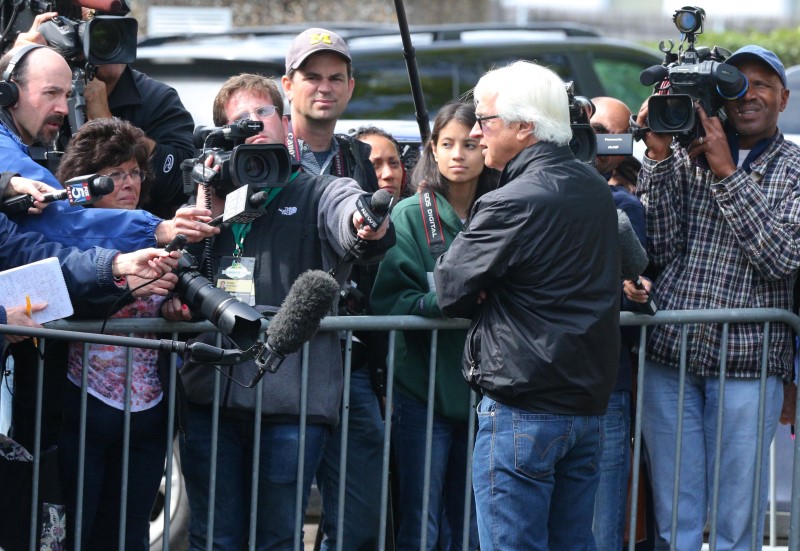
[633,259]
[653,75]
[243,205]
[81,190]
[373,208]
[309,299]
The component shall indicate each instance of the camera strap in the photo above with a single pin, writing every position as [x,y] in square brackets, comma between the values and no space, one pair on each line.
[432,223]
[295,147]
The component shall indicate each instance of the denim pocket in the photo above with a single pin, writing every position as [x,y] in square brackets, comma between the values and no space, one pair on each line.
[540,440]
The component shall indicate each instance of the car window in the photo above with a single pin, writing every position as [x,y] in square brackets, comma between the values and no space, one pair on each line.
[620,79]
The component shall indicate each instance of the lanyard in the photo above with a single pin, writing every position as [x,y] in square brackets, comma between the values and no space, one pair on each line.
[298,149]
[240,231]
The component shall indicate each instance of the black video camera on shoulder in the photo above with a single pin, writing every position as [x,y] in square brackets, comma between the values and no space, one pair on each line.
[255,165]
[694,75]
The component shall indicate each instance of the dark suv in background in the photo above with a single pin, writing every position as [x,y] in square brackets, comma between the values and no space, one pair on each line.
[450,58]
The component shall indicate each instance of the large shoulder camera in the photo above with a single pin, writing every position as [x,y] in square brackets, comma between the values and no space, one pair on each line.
[694,75]
[587,145]
[106,38]
[252,165]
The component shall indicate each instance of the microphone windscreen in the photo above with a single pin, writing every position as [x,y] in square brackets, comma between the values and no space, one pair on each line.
[308,301]
[380,202]
[653,74]
[101,185]
[633,257]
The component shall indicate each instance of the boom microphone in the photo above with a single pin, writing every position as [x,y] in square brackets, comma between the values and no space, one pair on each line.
[653,75]
[81,190]
[309,299]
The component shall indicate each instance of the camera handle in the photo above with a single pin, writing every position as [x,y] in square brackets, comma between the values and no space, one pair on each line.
[77,102]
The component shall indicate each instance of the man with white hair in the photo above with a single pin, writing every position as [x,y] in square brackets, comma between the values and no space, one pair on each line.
[538,272]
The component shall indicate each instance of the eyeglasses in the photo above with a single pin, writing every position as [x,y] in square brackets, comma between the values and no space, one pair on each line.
[480,120]
[118,176]
[263,112]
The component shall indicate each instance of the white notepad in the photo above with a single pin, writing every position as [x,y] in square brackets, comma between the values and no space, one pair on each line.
[43,281]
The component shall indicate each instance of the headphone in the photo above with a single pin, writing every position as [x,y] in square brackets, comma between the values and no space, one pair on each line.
[9,91]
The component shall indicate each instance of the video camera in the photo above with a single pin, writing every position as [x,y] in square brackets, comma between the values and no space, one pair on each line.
[586,145]
[252,165]
[105,38]
[694,75]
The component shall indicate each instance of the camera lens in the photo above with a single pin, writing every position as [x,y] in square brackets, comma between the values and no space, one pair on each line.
[255,168]
[106,40]
[670,114]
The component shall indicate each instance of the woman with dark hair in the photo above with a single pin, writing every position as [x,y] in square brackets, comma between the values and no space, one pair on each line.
[117,149]
[449,176]
[387,160]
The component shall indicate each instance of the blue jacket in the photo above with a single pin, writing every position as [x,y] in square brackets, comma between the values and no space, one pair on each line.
[88,274]
[126,230]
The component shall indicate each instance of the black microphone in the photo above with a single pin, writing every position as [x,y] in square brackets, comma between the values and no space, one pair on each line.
[309,299]
[373,208]
[653,75]
[81,190]
[633,259]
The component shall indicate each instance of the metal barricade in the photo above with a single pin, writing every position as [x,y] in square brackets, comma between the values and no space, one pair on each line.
[392,324]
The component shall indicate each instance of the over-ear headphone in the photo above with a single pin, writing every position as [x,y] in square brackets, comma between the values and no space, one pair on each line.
[9,91]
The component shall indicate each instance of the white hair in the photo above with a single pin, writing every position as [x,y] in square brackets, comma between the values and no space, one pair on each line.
[527,92]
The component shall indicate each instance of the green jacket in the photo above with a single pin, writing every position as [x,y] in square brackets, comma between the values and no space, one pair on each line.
[402,288]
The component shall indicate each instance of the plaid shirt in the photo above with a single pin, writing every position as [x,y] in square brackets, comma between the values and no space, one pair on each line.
[730,243]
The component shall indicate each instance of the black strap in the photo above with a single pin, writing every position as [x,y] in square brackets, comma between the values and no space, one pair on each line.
[432,223]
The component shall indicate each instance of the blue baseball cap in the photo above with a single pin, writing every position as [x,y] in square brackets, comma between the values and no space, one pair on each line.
[763,55]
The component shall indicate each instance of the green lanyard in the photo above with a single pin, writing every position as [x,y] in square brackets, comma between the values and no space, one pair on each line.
[240,231]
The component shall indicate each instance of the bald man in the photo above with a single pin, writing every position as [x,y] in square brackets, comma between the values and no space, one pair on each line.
[611,116]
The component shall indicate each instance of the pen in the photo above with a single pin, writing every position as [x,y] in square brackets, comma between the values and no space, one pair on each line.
[28,311]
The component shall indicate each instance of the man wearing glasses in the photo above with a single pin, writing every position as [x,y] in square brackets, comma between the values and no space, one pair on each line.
[308,224]
[538,271]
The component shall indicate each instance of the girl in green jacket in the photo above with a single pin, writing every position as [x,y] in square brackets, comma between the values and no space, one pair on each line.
[449,177]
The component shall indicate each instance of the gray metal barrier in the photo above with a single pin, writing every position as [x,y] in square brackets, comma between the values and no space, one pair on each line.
[347,325]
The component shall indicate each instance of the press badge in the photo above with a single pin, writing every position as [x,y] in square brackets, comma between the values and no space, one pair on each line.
[236,277]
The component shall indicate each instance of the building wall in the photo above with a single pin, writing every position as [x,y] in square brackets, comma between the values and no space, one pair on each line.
[273,12]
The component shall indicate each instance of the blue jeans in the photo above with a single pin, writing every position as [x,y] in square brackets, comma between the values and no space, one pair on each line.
[362,500]
[448,479]
[535,477]
[103,470]
[277,479]
[737,468]
[611,501]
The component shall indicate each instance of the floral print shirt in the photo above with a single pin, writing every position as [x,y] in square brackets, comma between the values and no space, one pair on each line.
[106,377]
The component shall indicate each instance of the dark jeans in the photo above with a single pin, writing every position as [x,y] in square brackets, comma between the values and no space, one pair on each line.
[103,471]
[277,479]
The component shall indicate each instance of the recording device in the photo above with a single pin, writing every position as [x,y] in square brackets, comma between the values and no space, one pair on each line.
[614,144]
[238,321]
[309,299]
[81,190]
[102,40]
[633,259]
[694,75]
[583,143]
[254,165]
[373,208]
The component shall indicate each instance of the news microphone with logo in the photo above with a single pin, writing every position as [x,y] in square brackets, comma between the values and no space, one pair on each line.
[81,190]
[309,299]
[633,259]
[242,205]
[373,208]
